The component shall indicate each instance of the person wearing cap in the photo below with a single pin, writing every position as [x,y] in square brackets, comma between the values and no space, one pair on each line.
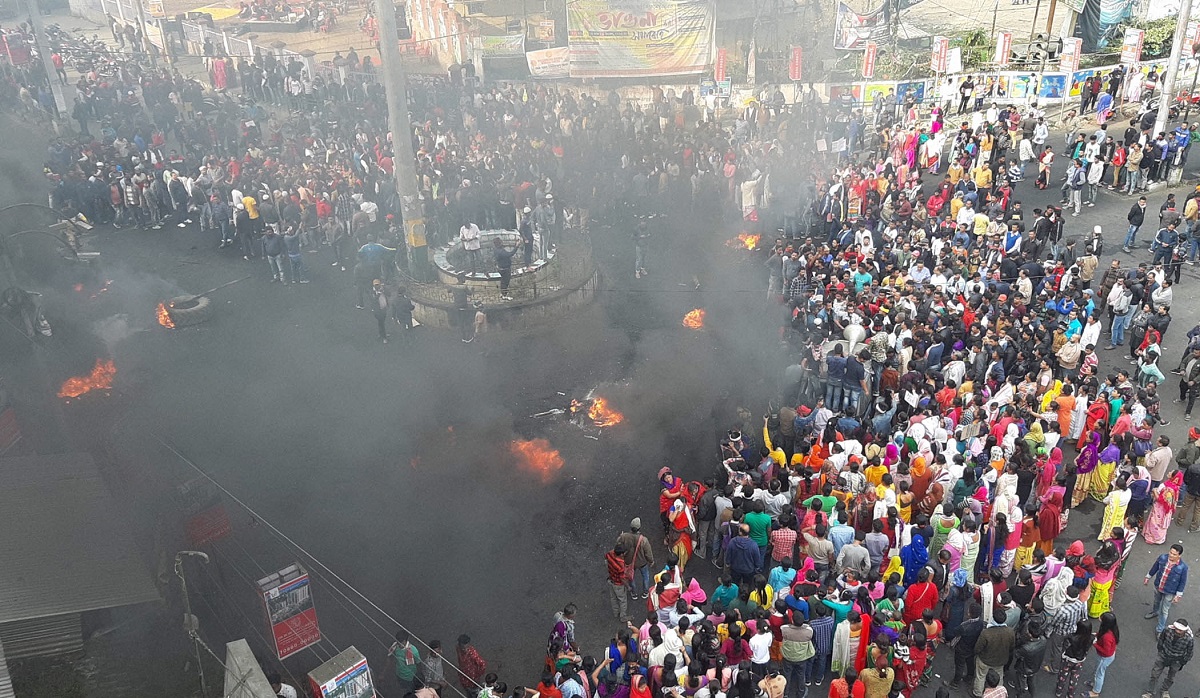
[1169,574]
[639,557]
[1175,648]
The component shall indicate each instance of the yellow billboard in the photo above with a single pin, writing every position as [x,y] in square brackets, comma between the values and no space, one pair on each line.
[639,38]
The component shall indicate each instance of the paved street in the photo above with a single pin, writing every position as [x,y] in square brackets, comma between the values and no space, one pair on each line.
[390,463]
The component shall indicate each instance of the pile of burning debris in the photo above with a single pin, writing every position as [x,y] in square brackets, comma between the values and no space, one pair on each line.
[593,410]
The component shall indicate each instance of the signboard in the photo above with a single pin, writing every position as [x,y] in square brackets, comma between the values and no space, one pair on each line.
[345,676]
[207,520]
[545,31]
[287,596]
[1068,62]
[796,64]
[550,63]
[719,68]
[954,63]
[941,50]
[154,8]
[1190,38]
[498,46]
[852,31]
[869,56]
[639,38]
[1003,48]
[1131,46]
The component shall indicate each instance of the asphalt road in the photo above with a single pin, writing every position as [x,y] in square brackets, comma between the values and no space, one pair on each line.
[391,463]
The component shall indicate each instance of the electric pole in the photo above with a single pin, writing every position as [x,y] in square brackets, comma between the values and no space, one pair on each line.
[147,45]
[43,49]
[395,85]
[1167,95]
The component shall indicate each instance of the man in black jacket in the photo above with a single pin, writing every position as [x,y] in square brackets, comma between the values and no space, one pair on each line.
[1029,654]
[1136,216]
[964,652]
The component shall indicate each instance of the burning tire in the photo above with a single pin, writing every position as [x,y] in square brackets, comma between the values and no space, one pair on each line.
[186,310]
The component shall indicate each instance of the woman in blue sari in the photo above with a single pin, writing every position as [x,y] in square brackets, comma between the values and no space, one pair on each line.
[914,556]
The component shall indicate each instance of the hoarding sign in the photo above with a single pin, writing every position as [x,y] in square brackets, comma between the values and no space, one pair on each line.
[287,595]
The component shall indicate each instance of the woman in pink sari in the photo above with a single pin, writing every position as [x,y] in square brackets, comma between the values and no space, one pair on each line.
[1049,471]
[910,149]
[1162,509]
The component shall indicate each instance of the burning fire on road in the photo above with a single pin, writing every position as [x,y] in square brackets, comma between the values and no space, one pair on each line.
[745,240]
[101,378]
[694,320]
[164,316]
[536,456]
[597,410]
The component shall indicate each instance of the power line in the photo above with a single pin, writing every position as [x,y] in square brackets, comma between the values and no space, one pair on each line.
[302,550]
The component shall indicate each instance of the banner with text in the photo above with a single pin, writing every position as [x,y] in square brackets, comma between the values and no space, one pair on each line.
[551,63]
[287,596]
[498,46]
[638,38]
[852,31]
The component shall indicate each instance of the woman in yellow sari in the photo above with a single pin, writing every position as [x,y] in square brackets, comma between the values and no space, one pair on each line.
[1085,469]
[1115,505]
[1102,478]
[895,566]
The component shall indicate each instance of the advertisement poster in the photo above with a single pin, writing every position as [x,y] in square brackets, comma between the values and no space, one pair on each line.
[916,88]
[1077,79]
[545,31]
[637,38]
[853,31]
[287,595]
[720,68]
[1054,86]
[1131,46]
[875,90]
[1003,48]
[941,51]
[551,63]
[869,56]
[1190,38]
[1068,61]
[499,46]
[207,519]
[796,64]
[354,682]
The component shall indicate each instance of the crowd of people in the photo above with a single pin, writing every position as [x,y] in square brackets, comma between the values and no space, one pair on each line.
[943,410]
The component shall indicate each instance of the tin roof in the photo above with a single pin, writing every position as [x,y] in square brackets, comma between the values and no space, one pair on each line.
[6,687]
[65,547]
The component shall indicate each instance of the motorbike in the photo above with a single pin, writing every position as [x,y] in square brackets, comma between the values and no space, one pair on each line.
[23,309]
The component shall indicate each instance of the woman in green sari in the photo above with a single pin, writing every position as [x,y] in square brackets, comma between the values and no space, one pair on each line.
[942,526]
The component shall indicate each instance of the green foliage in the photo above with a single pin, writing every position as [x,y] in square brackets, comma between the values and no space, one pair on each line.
[1157,41]
[977,47]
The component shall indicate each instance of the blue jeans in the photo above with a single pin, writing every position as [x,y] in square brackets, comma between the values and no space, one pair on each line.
[1131,236]
[1120,322]
[299,271]
[820,664]
[833,394]
[1193,245]
[853,397]
[1101,667]
[276,262]
[1162,606]
[641,580]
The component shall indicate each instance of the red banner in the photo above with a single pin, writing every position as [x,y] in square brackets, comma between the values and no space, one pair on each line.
[719,68]
[291,612]
[941,47]
[869,56]
[796,64]
[1003,48]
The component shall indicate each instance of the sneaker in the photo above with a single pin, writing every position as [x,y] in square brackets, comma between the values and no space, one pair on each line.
[358,307]
[637,274]
[1176,371]
[181,225]
[1110,347]
[1091,203]
[1150,615]
[468,341]
[1187,417]
[1126,250]
[334,264]
[156,226]
[1164,423]
[385,340]
[1177,400]
[1075,213]
[303,281]
[245,258]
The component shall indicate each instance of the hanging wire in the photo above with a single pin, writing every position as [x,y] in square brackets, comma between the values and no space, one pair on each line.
[413,636]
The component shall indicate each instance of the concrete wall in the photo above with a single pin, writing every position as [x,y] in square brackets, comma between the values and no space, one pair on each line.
[515,315]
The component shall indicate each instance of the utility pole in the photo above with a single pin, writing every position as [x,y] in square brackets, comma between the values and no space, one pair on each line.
[1168,87]
[190,623]
[1050,18]
[43,49]
[1037,9]
[395,85]
[147,45]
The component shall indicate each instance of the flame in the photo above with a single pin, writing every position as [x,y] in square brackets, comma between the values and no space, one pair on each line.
[101,378]
[746,240]
[164,316]
[537,456]
[602,415]
[694,320]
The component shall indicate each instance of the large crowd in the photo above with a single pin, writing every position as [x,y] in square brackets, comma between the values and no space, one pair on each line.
[942,413]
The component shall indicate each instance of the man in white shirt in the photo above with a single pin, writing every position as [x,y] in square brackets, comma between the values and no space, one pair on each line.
[281,689]
[469,234]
